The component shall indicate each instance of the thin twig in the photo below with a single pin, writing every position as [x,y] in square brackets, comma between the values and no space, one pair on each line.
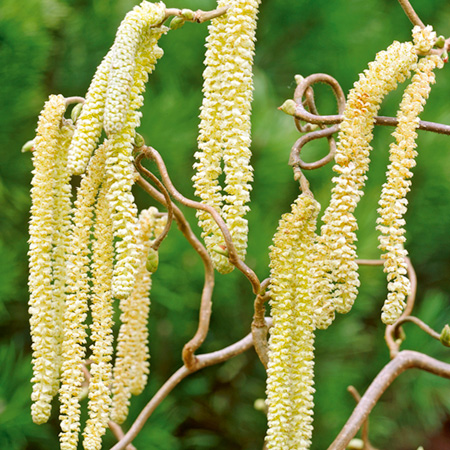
[206,303]
[70,100]
[422,325]
[151,153]
[365,426]
[119,434]
[404,360]
[412,15]
[198,16]
[259,326]
[202,361]
[163,190]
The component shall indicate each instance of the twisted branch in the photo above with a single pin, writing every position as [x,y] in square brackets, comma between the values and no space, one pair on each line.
[404,360]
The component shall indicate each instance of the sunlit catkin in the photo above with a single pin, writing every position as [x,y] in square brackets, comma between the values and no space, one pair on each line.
[101,327]
[291,344]
[45,318]
[132,367]
[77,289]
[225,127]
[393,197]
[336,244]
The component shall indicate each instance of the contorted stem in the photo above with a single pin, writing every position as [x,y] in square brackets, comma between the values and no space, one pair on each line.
[71,100]
[404,360]
[365,427]
[199,16]
[202,361]
[412,15]
[205,305]
[422,325]
[151,153]
[259,326]
[168,202]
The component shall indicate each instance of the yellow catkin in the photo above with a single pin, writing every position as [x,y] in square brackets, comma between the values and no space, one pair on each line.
[61,237]
[393,196]
[77,289]
[337,282]
[225,127]
[44,314]
[119,166]
[129,38]
[132,367]
[90,123]
[101,328]
[291,345]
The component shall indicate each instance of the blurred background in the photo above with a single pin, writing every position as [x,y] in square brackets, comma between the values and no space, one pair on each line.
[53,46]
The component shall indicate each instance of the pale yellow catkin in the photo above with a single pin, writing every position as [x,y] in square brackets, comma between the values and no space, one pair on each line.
[337,282]
[101,327]
[290,376]
[119,165]
[224,133]
[50,145]
[393,201]
[77,289]
[132,367]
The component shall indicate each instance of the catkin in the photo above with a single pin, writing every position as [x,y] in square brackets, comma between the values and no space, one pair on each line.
[291,344]
[225,128]
[337,282]
[393,196]
[49,190]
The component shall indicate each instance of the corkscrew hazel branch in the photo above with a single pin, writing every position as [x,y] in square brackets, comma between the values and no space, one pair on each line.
[365,427]
[202,361]
[189,357]
[403,361]
[151,153]
[163,190]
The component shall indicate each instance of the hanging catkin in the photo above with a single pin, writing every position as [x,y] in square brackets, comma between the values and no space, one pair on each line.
[291,344]
[225,128]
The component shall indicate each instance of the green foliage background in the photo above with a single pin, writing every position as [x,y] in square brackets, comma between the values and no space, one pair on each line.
[53,46]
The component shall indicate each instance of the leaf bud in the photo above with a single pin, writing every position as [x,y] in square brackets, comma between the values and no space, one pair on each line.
[440,42]
[298,79]
[260,405]
[139,141]
[288,107]
[445,336]
[444,56]
[221,250]
[355,444]
[28,146]
[188,14]
[177,22]
[76,111]
[152,260]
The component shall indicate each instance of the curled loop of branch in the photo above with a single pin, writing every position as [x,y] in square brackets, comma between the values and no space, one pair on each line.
[312,116]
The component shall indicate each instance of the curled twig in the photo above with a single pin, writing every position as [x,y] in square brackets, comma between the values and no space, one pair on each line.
[189,349]
[404,360]
[151,153]
[163,190]
[202,361]
[365,426]
[198,16]
[392,331]
[259,325]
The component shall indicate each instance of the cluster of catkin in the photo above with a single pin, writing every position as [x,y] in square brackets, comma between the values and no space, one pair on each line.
[87,253]
[314,275]
[224,137]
